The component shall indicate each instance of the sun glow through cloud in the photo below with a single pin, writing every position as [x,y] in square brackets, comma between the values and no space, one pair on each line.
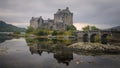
[79,26]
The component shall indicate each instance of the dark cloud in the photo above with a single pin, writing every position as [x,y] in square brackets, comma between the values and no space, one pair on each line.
[105,12]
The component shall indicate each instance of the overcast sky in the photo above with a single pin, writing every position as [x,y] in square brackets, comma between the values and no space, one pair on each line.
[101,13]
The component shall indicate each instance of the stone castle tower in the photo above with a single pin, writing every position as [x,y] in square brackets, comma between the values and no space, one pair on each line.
[62,18]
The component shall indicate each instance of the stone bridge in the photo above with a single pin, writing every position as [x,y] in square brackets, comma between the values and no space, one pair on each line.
[89,36]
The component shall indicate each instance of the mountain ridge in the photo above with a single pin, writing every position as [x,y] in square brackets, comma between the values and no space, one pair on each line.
[4,27]
[116,28]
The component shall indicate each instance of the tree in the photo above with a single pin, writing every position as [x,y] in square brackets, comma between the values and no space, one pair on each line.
[94,28]
[71,28]
[88,28]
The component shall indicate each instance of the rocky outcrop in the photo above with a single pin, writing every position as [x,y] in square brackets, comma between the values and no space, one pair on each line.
[95,48]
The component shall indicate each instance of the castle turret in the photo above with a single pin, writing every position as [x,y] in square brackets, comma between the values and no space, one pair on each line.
[40,21]
[67,8]
[64,16]
[36,22]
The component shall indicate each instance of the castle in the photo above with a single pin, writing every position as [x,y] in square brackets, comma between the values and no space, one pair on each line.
[62,19]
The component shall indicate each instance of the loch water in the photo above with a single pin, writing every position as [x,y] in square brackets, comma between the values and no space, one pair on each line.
[49,53]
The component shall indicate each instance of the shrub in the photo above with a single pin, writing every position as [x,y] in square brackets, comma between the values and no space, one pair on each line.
[97,39]
[41,32]
[30,29]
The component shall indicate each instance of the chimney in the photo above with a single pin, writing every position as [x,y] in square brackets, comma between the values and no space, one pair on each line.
[32,17]
[67,8]
[40,16]
[59,9]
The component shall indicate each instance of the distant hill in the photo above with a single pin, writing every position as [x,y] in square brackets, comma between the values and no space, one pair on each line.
[4,27]
[117,28]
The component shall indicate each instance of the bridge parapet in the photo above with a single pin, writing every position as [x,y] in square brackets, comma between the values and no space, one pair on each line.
[102,34]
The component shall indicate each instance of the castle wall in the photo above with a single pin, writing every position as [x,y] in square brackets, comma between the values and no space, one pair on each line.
[68,19]
[61,19]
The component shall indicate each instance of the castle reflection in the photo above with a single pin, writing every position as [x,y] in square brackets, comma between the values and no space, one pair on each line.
[56,46]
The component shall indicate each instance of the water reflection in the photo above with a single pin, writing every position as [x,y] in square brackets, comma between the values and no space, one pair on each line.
[64,57]
[50,53]
[56,46]
[3,38]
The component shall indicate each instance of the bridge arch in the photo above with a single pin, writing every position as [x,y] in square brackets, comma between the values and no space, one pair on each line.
[92,37]
[85,37]
[104,38]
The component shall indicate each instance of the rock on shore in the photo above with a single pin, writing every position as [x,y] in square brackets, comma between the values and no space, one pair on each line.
[95,48]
